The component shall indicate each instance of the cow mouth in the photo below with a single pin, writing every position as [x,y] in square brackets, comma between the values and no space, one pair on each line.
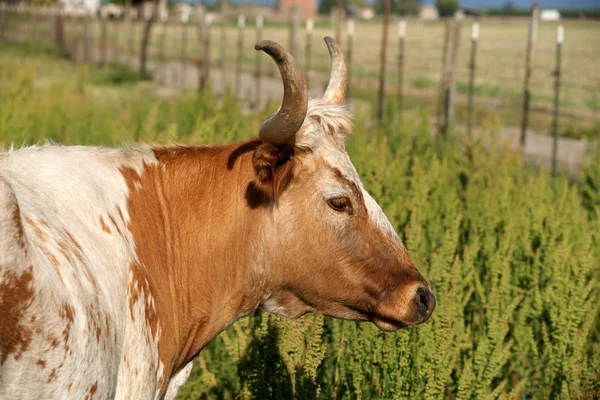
[383,322]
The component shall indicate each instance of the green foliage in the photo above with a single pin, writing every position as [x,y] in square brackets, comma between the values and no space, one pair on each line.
[402,7]
[447,7]
[117,74]
[512,255]
[590,187]
[326,5]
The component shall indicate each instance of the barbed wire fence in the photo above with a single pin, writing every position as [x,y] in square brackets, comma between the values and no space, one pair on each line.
[112,37]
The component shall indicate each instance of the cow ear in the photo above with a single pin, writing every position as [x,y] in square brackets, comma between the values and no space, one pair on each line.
[273,167]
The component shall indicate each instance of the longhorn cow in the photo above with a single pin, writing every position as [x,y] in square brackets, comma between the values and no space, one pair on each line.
[117,266]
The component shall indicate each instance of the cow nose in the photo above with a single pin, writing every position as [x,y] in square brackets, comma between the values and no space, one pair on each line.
[425,303]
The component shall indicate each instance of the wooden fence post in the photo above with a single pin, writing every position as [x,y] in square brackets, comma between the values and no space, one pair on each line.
[130,28]
[308,50]
[295,32]
[445,62]
[560,35]
[383,59]
[163,17]
[339,19]
[103,36]
[3,12]
[33,21]
[240,50]
[401,36]
[149,17]
[116,43]
[112,37]
[102,40]
[528,71]
[222,46]
[59,29]
[184,20]
[448,90]
[349,56]
[472,66]
[257,72]
[86,36]
[204,23]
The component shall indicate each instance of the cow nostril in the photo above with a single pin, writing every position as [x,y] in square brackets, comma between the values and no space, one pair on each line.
[425,302]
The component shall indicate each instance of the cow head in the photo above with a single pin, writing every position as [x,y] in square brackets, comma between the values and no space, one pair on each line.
[330,248]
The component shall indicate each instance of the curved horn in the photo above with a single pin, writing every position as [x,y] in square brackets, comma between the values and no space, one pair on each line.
[338,80]
[282,127]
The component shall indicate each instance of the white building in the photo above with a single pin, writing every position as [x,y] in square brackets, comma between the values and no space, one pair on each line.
[428,13]
[549,15]
[77,7]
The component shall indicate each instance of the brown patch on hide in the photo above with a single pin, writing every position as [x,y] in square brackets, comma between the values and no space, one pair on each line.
[66,312]
[104,227]
[52,375]
[93,325]
[16,216]
[36,229]
[16,296]
[115,224]
[53,261]
[92,391]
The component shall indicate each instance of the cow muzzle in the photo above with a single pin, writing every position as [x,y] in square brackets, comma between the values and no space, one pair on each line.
[417,309]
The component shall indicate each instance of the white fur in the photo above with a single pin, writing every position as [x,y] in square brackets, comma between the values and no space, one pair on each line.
[178,381]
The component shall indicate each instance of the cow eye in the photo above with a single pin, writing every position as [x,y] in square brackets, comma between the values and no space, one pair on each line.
[341,204]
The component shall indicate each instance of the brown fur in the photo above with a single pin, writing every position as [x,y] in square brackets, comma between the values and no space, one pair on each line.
[197,219]
[104,227]
[16,215]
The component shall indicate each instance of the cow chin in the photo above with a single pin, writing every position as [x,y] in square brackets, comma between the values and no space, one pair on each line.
[387,325]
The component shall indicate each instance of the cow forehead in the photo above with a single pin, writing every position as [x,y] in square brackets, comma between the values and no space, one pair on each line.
[339,159]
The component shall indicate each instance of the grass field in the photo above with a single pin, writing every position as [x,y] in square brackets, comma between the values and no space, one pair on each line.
[500,60]
[512,254]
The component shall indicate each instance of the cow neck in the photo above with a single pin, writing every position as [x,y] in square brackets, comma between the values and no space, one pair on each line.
[196,230]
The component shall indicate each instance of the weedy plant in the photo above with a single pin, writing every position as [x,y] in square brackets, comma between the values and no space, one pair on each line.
[512,255]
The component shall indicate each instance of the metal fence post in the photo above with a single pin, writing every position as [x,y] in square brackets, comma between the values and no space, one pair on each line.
[449,87]
[182,77]
[349,55]
[86,36]
[240,49]
[222,47]
[383,58]
[163,16]
[295,32]
[103,35]
[401,36]
[308,50]
[204,23]
[529,71]
[340,17]
[472,66]
[257,72]
[560,35]
[3,12]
